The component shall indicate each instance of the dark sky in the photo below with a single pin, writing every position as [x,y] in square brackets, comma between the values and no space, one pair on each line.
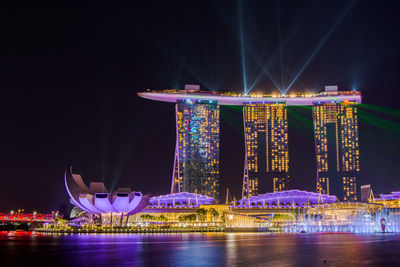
[70,74]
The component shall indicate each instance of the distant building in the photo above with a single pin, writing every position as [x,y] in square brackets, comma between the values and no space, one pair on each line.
[266,146]
[365,192]
[336,147]
[196,164]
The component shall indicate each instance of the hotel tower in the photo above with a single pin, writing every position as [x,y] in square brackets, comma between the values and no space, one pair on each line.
[196,162]
[266,146]
[336,148]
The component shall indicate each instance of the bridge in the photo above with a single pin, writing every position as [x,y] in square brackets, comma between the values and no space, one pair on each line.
[26,217]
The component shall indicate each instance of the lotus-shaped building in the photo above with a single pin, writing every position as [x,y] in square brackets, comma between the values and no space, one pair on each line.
[287,198]
[96,199]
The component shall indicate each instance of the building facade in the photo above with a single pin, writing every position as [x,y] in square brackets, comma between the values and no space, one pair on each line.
[196,163]
[366,192]
[337,149]
[266,147]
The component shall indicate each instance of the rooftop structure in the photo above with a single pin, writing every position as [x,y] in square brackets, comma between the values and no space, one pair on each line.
[174,95]
[180,200]
[287,198]
[96,199]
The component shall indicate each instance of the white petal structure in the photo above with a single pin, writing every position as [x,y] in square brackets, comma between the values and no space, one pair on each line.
[97,199]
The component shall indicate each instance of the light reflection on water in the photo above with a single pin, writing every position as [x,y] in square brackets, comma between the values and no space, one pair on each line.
[213,249]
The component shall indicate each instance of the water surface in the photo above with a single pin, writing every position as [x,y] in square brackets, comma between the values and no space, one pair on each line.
[214,249]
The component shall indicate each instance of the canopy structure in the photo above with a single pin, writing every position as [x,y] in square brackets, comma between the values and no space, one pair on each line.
[183,199]
[287,198]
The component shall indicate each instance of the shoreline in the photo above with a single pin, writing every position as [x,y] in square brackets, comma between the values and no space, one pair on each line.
[128,231]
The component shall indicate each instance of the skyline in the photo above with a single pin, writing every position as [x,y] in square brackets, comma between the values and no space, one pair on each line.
[70,88]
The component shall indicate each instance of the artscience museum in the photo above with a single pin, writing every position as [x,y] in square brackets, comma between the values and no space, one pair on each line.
[97,200]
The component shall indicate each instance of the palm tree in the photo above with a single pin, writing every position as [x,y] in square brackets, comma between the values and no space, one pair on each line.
[201,213]
[162,218]
[191,217]
[147,217]
[214,213]
[187,217]
[182,218]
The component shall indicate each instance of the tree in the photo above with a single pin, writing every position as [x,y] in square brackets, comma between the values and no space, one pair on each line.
[214,213]
[202,214]
[162,218]
[187,218]
[182,218]
[147,217]
[191,217]
[223,217]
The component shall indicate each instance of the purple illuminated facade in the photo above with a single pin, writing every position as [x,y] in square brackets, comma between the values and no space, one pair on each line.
[180,200]
[96,199]
[392,196]
[288,198]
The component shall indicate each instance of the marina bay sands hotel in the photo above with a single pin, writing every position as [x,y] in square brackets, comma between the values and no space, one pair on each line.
[196,163]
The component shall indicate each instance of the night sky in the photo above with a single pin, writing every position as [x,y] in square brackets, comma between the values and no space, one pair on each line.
[70,76]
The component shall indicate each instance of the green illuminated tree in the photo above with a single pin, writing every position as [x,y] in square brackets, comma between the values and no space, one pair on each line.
[147,217]
[202,214]
[162,218]
[187,218]
[214,213]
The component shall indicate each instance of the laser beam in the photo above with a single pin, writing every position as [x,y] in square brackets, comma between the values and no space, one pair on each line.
[244,76]
[319,46]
